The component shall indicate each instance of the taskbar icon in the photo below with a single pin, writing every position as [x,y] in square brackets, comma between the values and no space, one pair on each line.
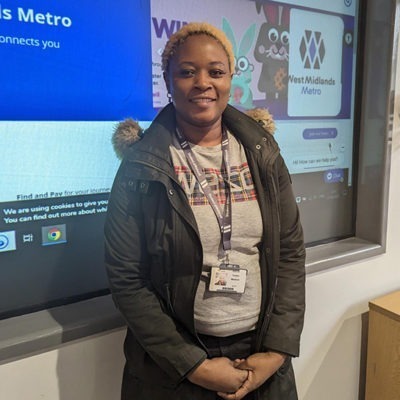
[54,234]
[7,241]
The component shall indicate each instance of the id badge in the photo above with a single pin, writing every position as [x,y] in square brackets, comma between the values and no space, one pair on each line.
[228,278]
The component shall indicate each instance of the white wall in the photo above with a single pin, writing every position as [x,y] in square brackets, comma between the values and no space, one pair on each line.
[329,366]
[88,369]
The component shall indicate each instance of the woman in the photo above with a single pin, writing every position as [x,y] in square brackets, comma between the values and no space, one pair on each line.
[204,248]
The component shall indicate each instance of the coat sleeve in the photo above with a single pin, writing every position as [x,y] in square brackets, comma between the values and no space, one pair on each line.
[126,260]
[287,314]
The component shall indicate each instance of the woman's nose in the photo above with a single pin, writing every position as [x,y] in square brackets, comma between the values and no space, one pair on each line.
[202,80]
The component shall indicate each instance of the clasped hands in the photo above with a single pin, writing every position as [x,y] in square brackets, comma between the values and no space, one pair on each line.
[233,380]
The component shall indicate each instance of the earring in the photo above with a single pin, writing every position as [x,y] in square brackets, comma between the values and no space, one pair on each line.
[169,97]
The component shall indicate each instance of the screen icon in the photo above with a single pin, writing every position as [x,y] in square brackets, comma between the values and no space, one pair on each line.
[7,241]
[334,176]
[54,234]
[27,238]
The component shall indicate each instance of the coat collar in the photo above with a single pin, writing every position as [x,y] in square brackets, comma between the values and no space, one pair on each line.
[155,142]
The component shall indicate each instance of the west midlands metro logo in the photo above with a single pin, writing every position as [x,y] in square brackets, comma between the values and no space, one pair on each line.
[312,49]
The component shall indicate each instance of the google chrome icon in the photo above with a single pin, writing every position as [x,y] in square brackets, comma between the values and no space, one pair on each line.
[54,234]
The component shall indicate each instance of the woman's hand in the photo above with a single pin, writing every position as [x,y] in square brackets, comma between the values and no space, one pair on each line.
[219,375]
[260,367]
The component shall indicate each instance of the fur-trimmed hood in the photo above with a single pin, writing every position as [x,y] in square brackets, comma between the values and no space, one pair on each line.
[125,135]
[129,131]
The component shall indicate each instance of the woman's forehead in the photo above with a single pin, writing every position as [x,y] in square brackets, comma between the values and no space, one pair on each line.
[199,46]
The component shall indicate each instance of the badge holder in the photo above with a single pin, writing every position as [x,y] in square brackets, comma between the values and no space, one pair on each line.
[228,278]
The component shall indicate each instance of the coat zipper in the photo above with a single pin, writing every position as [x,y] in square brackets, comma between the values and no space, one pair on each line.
[268,165]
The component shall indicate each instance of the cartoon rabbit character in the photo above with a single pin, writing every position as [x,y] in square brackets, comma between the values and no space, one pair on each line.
[241,94]
[272,50]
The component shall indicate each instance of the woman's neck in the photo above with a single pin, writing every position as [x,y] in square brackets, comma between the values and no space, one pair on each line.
[202,136]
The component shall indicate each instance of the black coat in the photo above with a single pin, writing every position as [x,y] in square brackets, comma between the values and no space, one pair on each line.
[154,258]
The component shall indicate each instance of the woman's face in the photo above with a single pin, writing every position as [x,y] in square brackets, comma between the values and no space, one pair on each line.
[199,81]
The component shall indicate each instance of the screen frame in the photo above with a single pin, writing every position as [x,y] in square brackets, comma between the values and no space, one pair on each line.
[375,135]
[44,330]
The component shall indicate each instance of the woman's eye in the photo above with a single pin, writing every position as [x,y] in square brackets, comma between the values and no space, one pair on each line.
[186,72]
[217,73]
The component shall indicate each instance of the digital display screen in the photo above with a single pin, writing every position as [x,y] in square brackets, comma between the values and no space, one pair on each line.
[70,71]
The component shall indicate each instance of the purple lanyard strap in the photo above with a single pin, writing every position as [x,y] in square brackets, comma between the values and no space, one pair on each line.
[224,216]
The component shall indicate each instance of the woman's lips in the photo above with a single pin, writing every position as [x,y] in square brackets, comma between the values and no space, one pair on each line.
[202,100]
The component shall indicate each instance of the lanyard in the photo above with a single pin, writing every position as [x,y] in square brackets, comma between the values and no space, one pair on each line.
[224,217]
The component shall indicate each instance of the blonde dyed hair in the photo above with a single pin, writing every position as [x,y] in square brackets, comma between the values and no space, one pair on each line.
[192,29]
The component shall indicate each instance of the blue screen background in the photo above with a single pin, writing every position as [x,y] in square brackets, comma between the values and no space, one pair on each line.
[92,73]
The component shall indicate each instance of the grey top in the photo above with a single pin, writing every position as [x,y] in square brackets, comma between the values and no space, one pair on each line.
[216,313]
